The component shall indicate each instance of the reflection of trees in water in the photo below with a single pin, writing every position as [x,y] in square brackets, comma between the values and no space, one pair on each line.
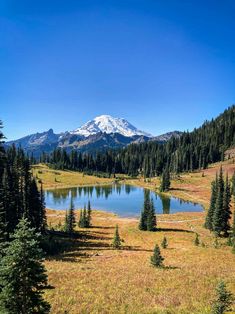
[166,205]
[60,195]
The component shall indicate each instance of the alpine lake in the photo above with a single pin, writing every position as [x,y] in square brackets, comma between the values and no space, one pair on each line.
[121,199]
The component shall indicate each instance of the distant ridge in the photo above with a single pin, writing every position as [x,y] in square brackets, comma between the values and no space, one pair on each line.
[102,133]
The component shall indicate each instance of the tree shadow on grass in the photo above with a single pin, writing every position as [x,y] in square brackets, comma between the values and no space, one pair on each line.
[172,230]
[101,227]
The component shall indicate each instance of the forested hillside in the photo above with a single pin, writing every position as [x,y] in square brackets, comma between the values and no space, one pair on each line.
[192,150]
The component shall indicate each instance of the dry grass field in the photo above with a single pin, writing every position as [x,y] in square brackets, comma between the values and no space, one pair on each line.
[61,179]
[91,277]
[195,187]
[94,278]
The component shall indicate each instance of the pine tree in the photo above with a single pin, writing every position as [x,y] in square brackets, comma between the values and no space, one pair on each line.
[165,181]
[116,239]
[164,243]
[218,216]
[226,207]
[142,222]
[71,219]
[224,299]
[211,210]
[157,259]
[151,217]
[22,274]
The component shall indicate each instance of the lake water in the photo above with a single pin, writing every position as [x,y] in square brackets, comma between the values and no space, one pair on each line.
[124,200]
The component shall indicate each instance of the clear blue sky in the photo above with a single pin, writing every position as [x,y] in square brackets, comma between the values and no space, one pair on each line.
[162,65]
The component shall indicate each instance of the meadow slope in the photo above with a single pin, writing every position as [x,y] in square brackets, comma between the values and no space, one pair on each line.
[91,277]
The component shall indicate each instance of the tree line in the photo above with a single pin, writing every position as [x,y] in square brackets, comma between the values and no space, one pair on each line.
[191,151]
[22,223]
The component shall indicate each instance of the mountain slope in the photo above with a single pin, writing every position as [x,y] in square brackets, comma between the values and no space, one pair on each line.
[102,133]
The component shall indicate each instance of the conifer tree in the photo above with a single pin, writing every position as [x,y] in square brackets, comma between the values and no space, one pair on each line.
[223,301]
[218,216]
[147,216]
[142,222]
[116,239]
[211,210]
[22,274]
[164,243]
[151,217]
[71,220]
[165,181]
[226,207]
[156,258]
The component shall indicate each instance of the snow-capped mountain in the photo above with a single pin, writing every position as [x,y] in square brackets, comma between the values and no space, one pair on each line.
[102,133]
[108,124]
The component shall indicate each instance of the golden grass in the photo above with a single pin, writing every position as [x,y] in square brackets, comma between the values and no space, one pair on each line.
[61,179]
[94,278]
[194,187]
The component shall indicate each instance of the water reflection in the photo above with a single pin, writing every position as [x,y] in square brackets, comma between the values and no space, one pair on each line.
[124,200]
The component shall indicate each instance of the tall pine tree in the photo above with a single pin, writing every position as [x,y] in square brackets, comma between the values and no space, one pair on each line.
[22,274]
[211,210]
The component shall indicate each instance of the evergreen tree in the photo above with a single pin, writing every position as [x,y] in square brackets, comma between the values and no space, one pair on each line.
[142,222]
[116,239]
[164,243]
[157,259]
[151,217]
[71,219]
[165,181]
[147,216]
[211,210]
[218,216]
[226,207]
[22,274]
[224,299]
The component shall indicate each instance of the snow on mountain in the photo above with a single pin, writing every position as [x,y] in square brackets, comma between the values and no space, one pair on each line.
[108,124]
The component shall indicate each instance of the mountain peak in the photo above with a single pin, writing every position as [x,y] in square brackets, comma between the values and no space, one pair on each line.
[108,124]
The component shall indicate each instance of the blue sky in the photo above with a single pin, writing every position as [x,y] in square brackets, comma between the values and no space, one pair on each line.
[162,65]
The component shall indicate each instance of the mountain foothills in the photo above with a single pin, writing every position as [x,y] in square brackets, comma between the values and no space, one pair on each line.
[187,152]
[102,133]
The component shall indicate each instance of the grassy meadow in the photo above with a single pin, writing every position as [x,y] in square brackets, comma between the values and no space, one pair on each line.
[64,178]
[92,277]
